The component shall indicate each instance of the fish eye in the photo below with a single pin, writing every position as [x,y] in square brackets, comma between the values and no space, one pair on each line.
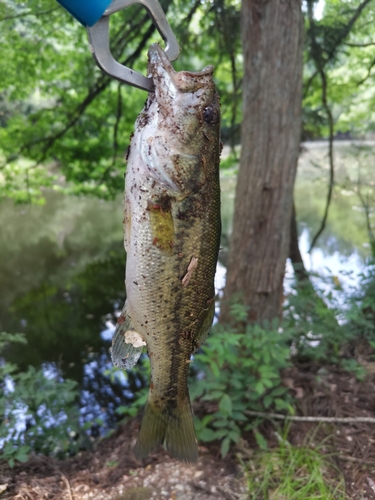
[209,115]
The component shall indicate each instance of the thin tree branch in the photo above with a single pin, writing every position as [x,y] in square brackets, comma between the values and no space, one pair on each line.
[115,134]
[316,53]
[29,13]
[368,73]
[295,418]
[345,32]
[359,44]
[193,10]
[368,214]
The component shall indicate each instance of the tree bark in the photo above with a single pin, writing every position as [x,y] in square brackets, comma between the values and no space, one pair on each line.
[302,276]
[271,128]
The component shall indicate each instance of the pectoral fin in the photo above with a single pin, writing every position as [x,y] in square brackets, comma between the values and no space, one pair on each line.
[127,344]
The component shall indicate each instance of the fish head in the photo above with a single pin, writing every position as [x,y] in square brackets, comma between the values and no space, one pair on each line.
[189,99]
[188,106]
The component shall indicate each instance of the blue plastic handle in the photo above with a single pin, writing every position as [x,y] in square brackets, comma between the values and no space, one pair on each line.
[87,12]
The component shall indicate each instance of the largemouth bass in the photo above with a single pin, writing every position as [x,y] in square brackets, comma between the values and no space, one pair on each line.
[172,234]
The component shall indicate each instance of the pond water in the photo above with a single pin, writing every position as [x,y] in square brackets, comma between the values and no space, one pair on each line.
[62,266]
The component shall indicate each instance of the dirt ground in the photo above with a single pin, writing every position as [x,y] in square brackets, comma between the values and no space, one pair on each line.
[112,472]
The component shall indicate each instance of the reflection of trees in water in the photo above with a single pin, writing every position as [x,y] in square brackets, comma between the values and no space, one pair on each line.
[62,323]
[346,230]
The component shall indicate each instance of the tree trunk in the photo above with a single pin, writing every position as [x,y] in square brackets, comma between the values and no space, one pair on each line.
[302,276]
[272,92]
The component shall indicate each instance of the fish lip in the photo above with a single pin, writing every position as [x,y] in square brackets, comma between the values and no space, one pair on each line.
[161,68]
[157,56]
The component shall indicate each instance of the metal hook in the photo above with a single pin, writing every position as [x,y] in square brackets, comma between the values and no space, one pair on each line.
[99,43]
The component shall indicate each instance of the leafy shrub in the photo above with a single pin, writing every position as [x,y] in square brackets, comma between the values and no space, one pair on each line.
[317,334]
[38,408]
[327,324]
[361,313]
[240,371]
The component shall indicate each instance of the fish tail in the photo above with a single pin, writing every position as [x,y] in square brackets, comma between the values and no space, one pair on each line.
[173,427]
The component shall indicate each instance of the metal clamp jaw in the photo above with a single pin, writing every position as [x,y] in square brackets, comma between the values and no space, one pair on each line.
[99,43]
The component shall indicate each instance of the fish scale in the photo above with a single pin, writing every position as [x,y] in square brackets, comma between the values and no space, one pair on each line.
[172,235]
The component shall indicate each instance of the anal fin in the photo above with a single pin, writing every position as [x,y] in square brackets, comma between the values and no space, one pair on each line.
[127,344]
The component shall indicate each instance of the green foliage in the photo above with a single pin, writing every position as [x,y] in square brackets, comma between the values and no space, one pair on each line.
[318,336]
[38,408]
[239,370]
[293,473]
[361,314]
[141,371]
[326,329]
[138,404]
[343,51]
[63,123]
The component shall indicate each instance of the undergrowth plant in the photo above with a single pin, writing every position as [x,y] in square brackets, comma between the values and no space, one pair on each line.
[38,408]
[239,369]
[328,324]
[292,473]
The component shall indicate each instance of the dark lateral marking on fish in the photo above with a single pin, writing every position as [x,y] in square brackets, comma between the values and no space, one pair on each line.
[171,395]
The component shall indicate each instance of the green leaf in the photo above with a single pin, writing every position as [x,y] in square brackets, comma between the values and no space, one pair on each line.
[22,454]
[278,391]
[225,445]
[225,405]
[215,369]
[267,401]
[220,423]
[259,387]
[237,415]
[281,404]
[261,441]
[220,433]
[234,435]
[112,463]
[207,434]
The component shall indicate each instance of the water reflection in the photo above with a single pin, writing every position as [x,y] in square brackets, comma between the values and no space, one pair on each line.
[346,231]
[62,269]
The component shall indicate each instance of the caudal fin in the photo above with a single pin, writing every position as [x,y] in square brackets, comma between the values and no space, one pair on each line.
[171,427]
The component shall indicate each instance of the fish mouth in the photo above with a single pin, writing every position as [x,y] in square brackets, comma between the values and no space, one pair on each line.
[167,79]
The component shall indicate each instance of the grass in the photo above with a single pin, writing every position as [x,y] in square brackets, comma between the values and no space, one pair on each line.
[293,473]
